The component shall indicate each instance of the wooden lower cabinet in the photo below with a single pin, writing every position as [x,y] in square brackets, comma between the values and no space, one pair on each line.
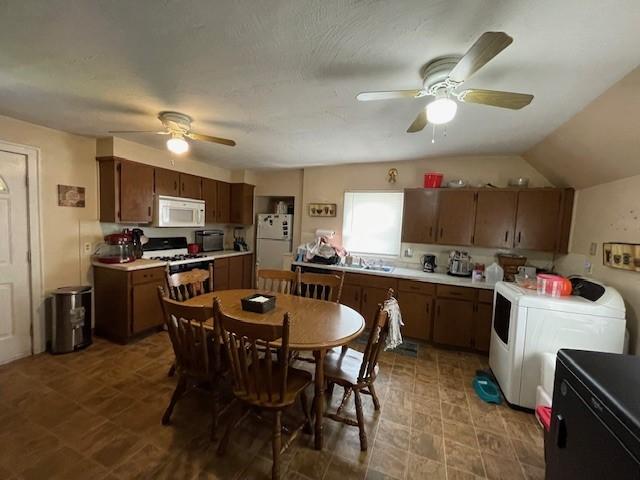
[351,296]
[236,269]
[372,297]
[233,272]
[248,265]
[417,314]
[126,302]
[483,317]
[453,324]
[221,274]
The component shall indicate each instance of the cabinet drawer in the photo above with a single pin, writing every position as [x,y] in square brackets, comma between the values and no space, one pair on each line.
[370,281]
[147,275]
[416,287]
[485,296]
[460,293]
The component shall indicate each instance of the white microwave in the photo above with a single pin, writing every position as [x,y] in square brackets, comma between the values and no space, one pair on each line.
[178,212]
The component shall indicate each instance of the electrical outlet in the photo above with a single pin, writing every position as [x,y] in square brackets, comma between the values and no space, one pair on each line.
[408,252]
[87,247]
[593,248]
[588,266]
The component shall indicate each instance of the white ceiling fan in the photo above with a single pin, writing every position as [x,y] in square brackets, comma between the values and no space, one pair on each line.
[442,78]
[178,126]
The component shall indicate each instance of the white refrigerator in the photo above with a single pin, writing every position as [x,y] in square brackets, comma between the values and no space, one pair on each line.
[274,239]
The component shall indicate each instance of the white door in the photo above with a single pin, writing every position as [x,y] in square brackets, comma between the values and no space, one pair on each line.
[15,312]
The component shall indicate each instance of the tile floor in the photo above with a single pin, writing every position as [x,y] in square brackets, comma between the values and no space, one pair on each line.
[96,415]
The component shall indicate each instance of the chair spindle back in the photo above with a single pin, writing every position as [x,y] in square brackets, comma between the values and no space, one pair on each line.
[375,344]
[185,285]
[277,281]
[320,286]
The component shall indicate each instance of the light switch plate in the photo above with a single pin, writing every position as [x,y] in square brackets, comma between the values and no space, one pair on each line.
[408,252]
[87,247]
[593,249]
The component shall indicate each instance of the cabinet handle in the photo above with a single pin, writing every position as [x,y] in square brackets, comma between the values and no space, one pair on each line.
[431,232]
[441,231]
[183,186]
[357,297]
[428,308]
[175,185]
[519,237]
[364,296]
[506,236]
[438,310]
[149,211]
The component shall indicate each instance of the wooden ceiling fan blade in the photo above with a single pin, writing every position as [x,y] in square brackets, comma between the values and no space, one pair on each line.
[486,47]
[419,123]
[209,138]
[494,98]
[162,132]
[368,96]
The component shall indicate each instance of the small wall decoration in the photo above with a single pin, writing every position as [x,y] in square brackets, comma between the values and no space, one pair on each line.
[322,209]
[625,256]
[69,196]
[392,175]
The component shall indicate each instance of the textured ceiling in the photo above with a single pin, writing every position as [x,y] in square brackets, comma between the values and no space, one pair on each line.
[280,76]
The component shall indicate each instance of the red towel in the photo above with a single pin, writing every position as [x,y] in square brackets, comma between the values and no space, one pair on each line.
[544,416]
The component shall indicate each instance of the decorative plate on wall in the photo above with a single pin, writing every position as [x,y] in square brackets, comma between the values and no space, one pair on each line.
[322,209]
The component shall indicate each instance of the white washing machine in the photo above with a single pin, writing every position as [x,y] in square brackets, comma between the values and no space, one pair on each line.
[525,325]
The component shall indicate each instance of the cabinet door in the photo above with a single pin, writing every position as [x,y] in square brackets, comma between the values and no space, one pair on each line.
[224,197]
[495,218]
[351,295]
[210,197]
[420,214]
[453,323]
[371,298]
[456,217]
[537,219]
[136,192]
[167,182]
[247,271]
[147,311]
[482,326]
[221,274]
[236,269]
[241,204]
[190,186]
[416,314]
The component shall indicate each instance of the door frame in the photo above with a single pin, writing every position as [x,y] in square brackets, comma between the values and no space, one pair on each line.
[37,306]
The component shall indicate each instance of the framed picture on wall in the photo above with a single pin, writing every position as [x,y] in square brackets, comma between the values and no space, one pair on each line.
[322,209]
[69,196]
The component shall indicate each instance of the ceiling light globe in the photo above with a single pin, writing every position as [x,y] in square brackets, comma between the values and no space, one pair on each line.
[441,111]
[178,145]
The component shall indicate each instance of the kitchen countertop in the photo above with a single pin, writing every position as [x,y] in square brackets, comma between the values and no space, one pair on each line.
[146,263]
[405,273]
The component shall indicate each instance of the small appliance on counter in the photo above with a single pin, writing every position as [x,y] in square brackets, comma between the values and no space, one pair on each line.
[460,264]
[118,248]
[210,240]
[429,263]
[510,264]
[138,238]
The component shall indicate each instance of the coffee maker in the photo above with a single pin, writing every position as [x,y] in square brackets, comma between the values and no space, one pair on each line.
[429,263]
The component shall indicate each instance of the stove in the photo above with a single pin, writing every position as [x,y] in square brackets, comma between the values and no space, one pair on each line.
[173,250]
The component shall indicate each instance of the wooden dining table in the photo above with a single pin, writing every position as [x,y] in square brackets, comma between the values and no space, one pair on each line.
[316,326]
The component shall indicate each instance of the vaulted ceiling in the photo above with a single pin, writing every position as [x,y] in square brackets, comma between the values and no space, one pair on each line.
[280,76]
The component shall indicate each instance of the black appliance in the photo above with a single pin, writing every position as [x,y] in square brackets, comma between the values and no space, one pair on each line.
[429,263]
[165,243]
[595,422]
[210,240]
[136,235]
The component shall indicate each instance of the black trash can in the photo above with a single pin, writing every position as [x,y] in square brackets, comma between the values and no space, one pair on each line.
[71,319]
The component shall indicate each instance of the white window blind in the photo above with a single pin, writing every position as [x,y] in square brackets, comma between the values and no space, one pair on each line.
[372,222]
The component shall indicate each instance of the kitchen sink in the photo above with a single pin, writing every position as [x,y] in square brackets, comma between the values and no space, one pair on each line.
[373,268]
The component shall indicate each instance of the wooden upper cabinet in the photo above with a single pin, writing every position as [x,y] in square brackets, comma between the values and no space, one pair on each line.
[495,218]
[167,182]
[126,191]
[456,217]
[241,204]
[420,215]
[210,197]
[190,186]
[224,199]
[538,219]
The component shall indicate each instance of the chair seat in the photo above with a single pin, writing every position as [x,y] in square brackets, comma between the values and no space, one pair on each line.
[297,380]
[344,367]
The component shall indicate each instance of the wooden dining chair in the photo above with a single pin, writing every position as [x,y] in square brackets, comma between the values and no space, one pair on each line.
[356,372]
[277,281]
[320,286]
[185,285]
[197,351]
[259,381]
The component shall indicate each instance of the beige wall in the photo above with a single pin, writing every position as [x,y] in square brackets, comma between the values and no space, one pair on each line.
[68,160]
[328,184]
[608,213]
[599,144]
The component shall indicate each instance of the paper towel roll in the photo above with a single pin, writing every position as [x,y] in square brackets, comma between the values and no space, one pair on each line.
[325,233]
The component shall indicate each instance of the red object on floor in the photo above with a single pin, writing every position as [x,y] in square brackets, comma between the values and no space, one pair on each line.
[544,416]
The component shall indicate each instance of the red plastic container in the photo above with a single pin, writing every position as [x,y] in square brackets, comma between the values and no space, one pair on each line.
[432,180]
[193,248]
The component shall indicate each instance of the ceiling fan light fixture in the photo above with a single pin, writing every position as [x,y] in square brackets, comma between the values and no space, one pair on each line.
[441,110]
[177,144]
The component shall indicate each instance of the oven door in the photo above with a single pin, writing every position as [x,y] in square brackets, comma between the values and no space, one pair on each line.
[174,212]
